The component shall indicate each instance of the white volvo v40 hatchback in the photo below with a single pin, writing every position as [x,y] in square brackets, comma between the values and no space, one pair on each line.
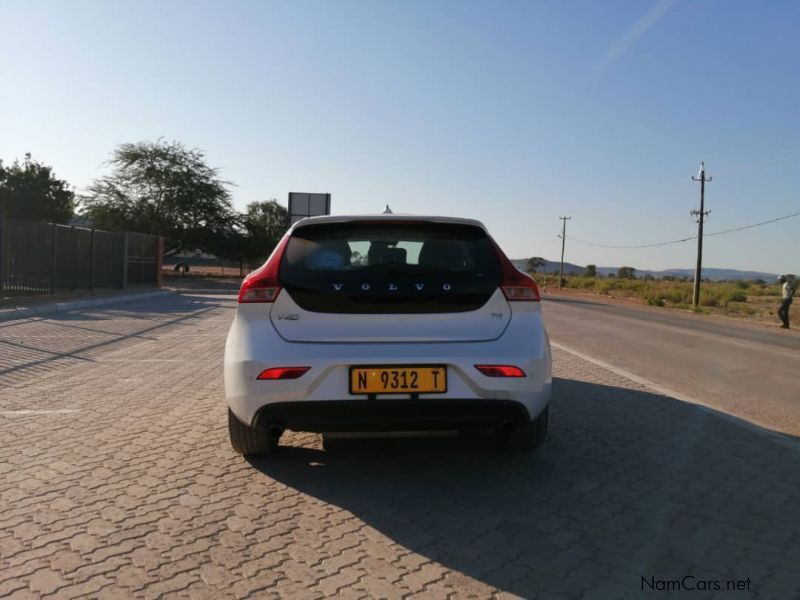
[387,323]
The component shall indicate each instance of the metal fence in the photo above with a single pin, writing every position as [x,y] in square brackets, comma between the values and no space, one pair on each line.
[46,258]
[142,258]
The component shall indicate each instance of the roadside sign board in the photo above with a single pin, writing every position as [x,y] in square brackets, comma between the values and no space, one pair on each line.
[302,205]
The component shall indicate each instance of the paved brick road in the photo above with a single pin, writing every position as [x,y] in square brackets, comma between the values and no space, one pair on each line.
[131,489]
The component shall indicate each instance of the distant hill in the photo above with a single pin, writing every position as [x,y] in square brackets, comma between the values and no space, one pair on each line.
[710,273]
[550,266]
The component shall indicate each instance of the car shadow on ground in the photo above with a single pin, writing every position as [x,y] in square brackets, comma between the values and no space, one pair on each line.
[630,484]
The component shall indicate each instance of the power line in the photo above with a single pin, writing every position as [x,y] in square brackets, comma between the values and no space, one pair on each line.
[574,239]
[687,239]
[783,218]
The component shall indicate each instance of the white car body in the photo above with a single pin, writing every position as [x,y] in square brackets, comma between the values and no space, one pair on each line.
[279,333]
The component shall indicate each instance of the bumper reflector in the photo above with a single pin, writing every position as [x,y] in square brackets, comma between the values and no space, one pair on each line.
[500,370]
[282,373]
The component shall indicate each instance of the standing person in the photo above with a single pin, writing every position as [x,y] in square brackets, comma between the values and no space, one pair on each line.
[789,286]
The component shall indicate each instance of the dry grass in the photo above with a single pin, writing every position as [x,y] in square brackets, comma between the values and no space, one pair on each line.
[746,299]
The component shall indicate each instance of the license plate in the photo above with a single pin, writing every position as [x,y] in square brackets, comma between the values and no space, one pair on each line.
[400,379]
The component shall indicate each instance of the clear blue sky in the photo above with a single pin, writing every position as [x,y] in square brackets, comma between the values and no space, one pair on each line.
[510,112]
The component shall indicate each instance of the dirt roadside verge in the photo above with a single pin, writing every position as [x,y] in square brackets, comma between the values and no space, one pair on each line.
[760,320]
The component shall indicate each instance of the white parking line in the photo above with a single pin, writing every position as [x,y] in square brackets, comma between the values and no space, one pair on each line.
[55,411]
[135,360]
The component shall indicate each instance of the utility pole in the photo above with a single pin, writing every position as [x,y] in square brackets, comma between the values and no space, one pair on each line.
[701,216]
[563,240]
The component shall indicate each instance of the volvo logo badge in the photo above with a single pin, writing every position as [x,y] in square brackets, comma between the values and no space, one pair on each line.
[392,287]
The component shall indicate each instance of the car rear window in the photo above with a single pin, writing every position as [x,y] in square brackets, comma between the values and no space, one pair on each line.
[383,267]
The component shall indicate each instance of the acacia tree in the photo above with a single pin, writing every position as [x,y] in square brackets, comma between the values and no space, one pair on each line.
[534,263]
[254,234]
[166,189]
[591,271]
[30,190]
[265,223]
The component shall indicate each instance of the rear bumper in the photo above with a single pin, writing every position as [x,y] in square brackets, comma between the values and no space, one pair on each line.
[253,345]
[390,415]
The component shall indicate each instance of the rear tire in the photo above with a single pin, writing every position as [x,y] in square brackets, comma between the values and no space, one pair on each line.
[525,437]
[251,441]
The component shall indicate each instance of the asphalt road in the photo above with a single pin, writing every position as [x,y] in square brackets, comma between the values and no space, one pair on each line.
[747,370]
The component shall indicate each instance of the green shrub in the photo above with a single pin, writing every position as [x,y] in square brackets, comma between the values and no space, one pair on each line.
[709,298]
[737,296]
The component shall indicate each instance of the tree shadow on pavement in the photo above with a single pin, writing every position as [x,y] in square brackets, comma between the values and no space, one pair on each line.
[143,309]
[630,484]
[43,343]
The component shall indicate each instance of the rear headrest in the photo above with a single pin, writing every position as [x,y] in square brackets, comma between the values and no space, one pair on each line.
[443,254]
[384,255]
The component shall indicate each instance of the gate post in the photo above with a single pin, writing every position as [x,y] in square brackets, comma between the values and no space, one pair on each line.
[91,263]
[160,261]
[141,259]
[125,259]
[2,253]
[53,260]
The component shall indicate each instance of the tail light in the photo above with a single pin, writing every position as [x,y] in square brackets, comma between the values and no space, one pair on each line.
[262,285]
[500,370]
[516,285]
[283,373]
